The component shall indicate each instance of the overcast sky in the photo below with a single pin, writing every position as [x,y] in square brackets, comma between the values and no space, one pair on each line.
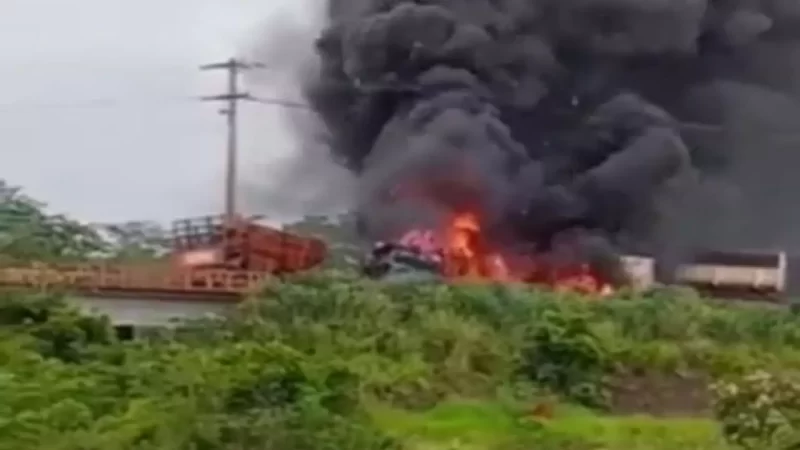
[95,111]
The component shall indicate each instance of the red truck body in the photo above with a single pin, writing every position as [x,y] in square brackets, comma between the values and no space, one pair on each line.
[216,242]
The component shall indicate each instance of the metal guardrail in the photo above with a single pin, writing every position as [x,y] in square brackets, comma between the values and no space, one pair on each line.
[99,278]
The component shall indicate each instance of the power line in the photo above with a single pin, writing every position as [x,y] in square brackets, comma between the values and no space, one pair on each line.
[281,102]
[112,103]
[98,103]
[101,103]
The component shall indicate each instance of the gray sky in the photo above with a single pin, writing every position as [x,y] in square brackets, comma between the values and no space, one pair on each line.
[94,115]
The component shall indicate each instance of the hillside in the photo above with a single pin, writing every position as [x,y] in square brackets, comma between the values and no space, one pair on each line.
[326,361]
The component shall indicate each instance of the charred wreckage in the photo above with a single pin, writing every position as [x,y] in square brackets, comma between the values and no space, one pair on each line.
[547,141]
[742,275]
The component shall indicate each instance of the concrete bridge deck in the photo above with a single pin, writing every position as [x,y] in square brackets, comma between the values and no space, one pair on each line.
[144,296]
[149,310]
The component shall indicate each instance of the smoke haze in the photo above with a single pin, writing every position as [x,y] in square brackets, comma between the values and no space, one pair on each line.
[288,180]
[650,126]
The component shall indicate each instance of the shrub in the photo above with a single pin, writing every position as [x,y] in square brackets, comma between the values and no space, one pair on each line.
[760,410]
[564,354]
[54,328]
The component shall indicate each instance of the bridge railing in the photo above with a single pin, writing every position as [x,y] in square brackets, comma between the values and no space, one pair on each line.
[134,279]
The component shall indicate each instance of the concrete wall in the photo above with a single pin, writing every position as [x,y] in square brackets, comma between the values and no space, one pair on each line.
[149,311]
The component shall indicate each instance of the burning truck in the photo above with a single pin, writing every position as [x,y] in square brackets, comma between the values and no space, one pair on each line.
[457,254]
[460,252]
[548,141]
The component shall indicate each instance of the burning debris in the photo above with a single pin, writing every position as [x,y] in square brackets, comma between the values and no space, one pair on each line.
[535,140]
[460,251]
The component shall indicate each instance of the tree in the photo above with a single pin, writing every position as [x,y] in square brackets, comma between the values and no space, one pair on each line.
[339,232]
[28,233]
[136,241]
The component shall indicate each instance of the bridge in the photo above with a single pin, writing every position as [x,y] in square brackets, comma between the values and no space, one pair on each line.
[214,261]
[133,297]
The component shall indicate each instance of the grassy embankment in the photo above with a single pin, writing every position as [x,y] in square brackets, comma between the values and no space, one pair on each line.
[327,362]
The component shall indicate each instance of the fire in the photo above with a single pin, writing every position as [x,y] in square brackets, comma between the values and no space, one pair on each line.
[467,256]
[462,236]
[463,232]
[580,279]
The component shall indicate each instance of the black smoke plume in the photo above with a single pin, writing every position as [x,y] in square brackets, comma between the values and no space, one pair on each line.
[649,126]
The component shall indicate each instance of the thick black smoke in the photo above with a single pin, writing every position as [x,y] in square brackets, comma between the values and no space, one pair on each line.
[608,124]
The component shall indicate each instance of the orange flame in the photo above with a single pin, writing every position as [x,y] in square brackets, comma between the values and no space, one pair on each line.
[467,256]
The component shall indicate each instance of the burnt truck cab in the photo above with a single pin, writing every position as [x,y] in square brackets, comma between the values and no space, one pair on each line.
[396,263]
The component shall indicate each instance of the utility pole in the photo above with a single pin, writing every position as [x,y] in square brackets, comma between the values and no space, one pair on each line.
[233,66]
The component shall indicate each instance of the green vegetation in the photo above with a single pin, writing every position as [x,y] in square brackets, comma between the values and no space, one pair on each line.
[326,361]
[28,233]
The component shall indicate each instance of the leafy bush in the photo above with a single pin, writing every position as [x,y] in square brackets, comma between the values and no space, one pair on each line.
[51,326]
[563,353]
[247,395]
[65,385]
[760,410]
